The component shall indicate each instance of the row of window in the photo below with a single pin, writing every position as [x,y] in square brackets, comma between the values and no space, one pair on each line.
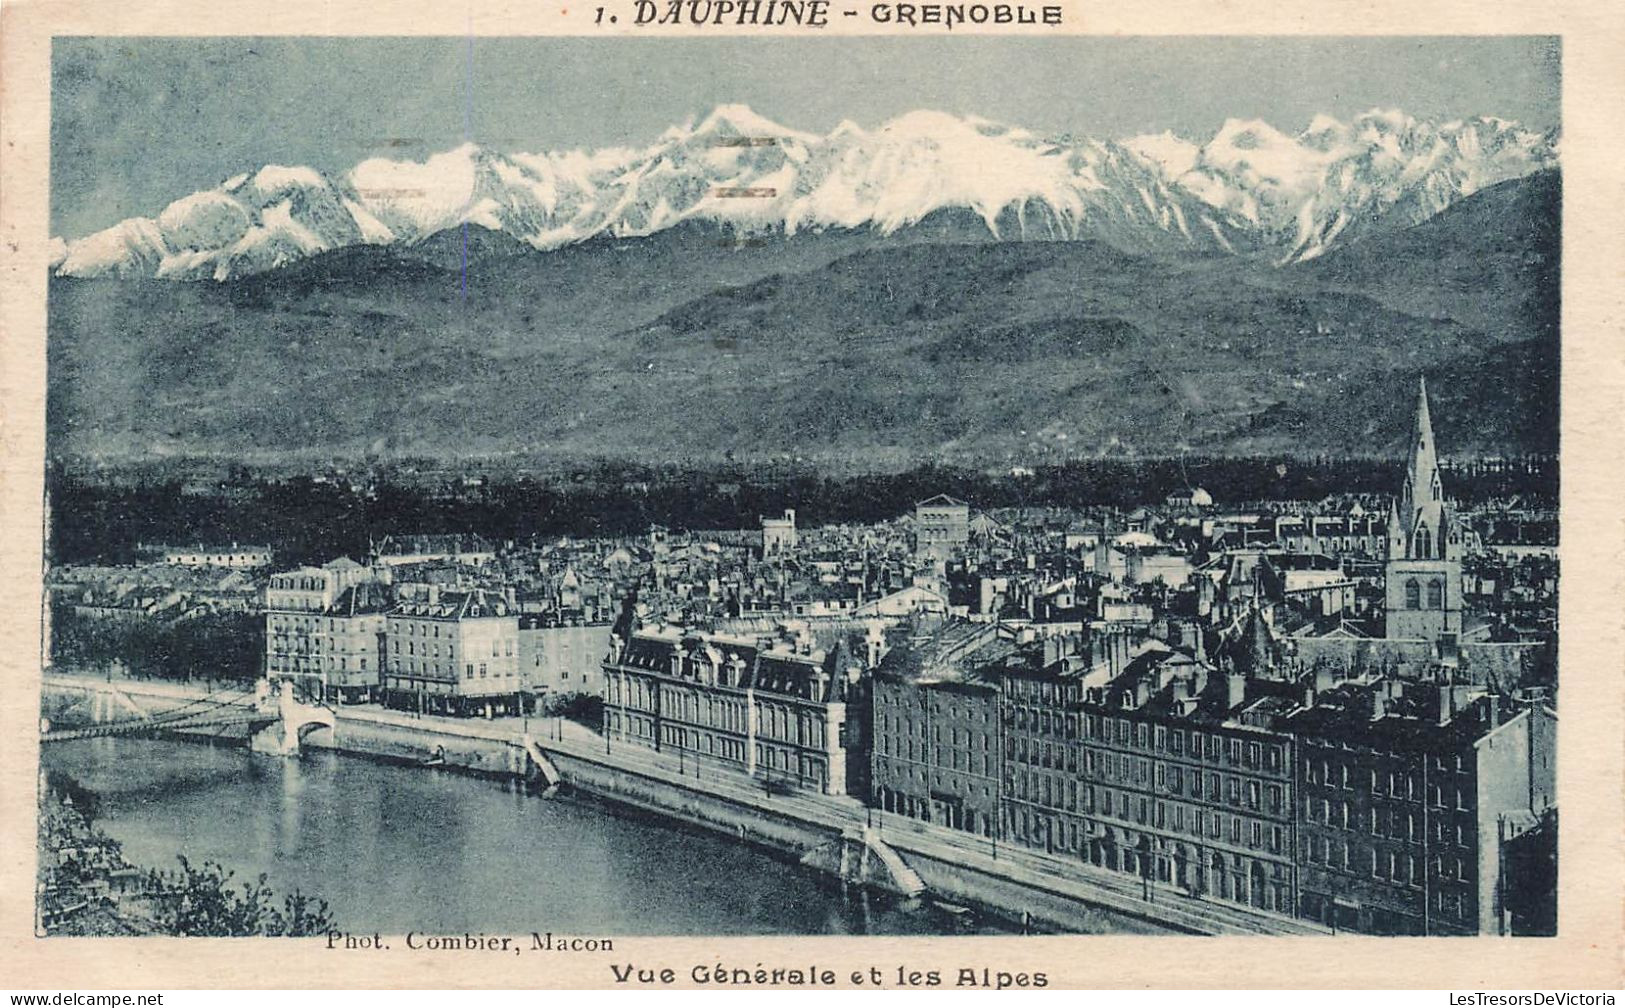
[774,721]
[294,624]
[1413,594]
[283,662]
[1067,794]
[1385,820]
[1179,741]
[1397,783]
[450,669]
[956,758]
[1388,865]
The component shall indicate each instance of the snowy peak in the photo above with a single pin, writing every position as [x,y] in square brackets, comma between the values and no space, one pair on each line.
[1249,187]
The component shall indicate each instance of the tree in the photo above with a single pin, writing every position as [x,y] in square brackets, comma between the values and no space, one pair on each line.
[205,905]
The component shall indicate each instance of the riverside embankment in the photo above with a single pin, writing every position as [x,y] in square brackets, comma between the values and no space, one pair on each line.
[836,835]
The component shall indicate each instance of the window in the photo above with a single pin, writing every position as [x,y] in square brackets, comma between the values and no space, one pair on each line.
[1435,595]
[1413,594]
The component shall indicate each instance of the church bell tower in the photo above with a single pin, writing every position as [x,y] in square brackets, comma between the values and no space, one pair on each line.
[1423,573]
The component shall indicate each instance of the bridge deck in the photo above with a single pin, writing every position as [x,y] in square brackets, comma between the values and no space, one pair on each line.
[154,726]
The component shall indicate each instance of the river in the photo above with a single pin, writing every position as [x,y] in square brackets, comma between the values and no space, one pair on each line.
[396,849]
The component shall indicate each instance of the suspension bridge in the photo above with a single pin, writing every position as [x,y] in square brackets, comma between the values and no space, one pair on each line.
[275,721]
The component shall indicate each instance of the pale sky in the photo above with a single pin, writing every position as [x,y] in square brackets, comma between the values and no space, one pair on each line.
[137,122]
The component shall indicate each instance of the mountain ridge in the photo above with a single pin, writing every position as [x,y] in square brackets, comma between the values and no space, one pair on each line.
[1250,189]
[929,347]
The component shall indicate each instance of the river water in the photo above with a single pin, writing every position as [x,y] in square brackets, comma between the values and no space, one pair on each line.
[397,849]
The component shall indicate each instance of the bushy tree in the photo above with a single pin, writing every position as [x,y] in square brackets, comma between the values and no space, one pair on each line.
[205,904]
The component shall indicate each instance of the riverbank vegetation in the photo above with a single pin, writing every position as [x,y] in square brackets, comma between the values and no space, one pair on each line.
[215,646]
[86,886]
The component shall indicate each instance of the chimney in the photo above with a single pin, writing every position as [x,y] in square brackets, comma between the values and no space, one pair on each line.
[434,594]
[1235,690]
[511,597]
[874,641]
[1449,649]
[1052,650]
[1447,702]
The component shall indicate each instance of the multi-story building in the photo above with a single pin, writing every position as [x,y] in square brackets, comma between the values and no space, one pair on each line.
[779,534]
[234,556]
[936,737]
[300,622]
[747,706]
[1410,794]
[352,648]
[1155,763]
[1181,778]
[397,551]
[454,652]
[312,589]
[1345,535]
[563,658]
[941,526]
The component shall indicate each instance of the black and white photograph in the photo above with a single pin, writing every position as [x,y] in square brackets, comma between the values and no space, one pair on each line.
[518,494]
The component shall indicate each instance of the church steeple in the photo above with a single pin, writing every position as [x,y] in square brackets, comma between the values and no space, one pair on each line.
[1422,485]
[1423,572]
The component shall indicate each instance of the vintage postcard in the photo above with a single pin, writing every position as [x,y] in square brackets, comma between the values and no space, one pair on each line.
[607,497]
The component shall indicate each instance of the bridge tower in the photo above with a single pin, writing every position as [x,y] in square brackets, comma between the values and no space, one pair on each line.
[295,720]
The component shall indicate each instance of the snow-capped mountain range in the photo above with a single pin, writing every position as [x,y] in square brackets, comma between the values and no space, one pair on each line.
[1250,188]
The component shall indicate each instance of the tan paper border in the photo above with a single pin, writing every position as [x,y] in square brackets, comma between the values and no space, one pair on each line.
[1590,951]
